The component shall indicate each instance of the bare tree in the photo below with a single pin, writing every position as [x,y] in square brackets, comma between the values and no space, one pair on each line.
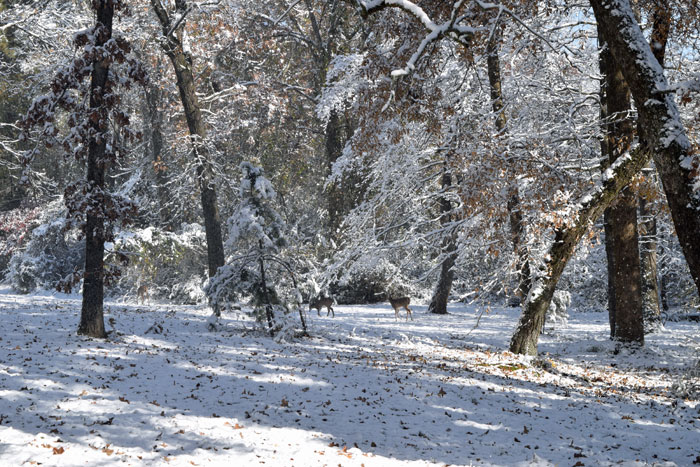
[172,43]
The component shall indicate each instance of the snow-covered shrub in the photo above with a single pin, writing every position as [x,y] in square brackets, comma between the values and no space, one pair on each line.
[258,273]
[366,283]
[50,255]
[15,229]
[172,265]
[558,314]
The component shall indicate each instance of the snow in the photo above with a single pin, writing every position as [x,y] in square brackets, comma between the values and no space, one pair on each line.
[364,390]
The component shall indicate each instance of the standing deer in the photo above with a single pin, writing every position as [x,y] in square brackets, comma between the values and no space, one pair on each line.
[401,302]
[319,303]
[142,293]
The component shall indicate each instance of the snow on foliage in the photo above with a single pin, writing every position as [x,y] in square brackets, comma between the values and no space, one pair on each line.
[170,264]
[343,82]
[51,255]
[256,273]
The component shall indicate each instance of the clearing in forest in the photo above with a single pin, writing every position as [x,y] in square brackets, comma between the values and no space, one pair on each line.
[364,390]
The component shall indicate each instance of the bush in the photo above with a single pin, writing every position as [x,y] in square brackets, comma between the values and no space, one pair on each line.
[15,230]
[370,283]
[172,265]
[50,255]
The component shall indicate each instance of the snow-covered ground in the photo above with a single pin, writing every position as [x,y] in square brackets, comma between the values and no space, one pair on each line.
[364,390]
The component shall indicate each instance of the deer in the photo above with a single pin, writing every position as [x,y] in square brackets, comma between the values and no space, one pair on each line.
[142,293]
[401,302]
[319,303]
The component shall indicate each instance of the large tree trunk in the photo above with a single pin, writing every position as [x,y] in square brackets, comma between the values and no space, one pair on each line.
[182,63]
[91,317]
[651,307]
[626,269]
[659,122]
[609,248]
[621,238]
[441,295]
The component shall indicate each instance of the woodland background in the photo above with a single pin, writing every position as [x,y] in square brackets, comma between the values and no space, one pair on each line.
[258,155]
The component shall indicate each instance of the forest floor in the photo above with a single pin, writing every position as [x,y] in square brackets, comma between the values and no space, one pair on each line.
[363,390]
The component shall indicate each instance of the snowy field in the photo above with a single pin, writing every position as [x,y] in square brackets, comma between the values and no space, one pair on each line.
[364,390]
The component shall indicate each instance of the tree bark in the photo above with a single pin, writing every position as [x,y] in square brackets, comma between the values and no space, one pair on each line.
[92,314]
[182,64]
[626,269]
[659,122]
[621,237]
[517,224]
[609,249]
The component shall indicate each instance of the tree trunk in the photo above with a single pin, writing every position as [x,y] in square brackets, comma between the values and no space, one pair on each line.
[626,270]
[524,340]
[661,24]
[517,237]
[333,150]
[91,317]
[269,314]
[609,248]
[650,289]
[663,285]
[441,295]
[154,116]
[182,63]
[659,122]
[621,237]
[517,224]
